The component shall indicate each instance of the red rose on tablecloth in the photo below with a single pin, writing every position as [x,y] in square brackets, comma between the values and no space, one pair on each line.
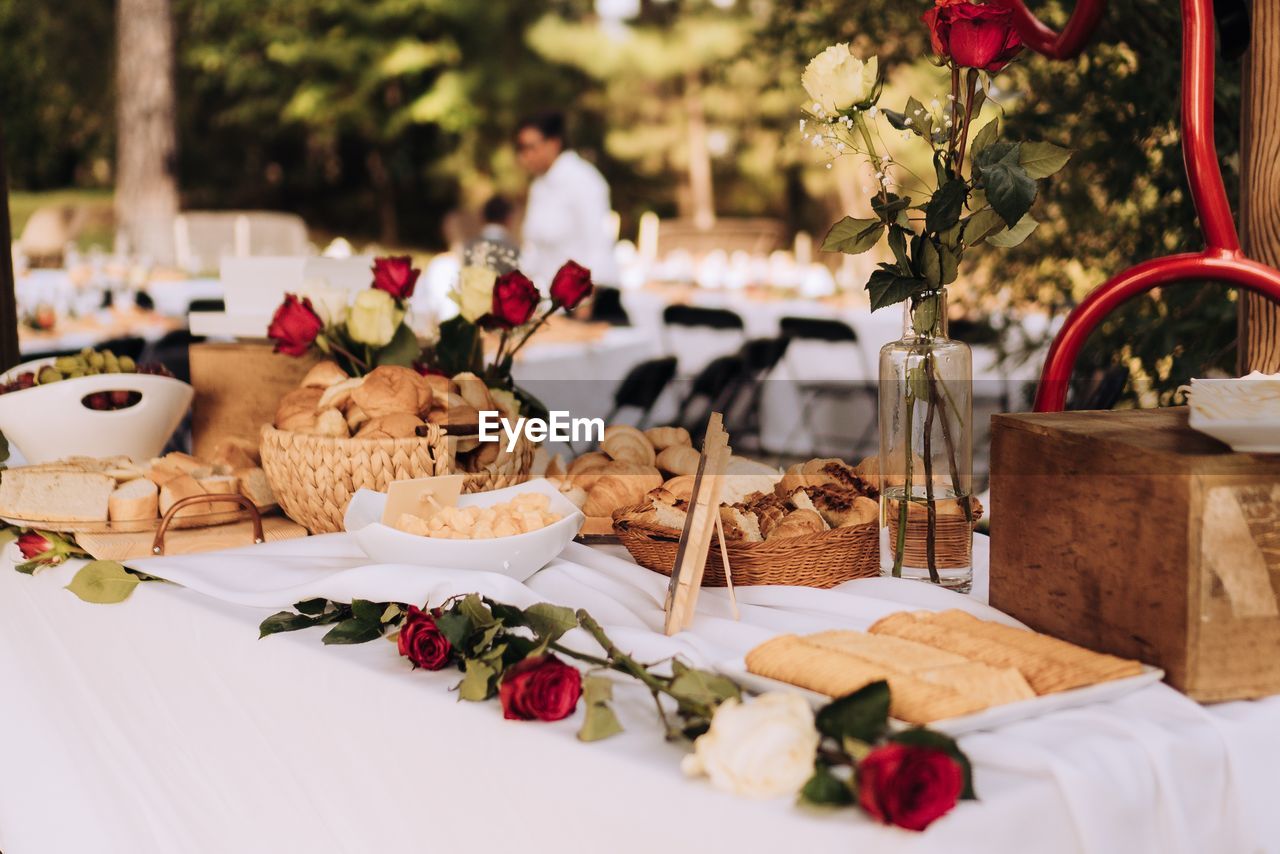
[571,285]
[295,326]
[972,35]
[33,544]
[421,641]
[514,299]
[395,275]
[907,785]
[542,688]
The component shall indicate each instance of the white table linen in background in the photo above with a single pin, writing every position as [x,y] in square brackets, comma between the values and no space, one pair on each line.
[162,724]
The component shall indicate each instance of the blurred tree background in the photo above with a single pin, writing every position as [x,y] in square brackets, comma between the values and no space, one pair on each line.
[373,119]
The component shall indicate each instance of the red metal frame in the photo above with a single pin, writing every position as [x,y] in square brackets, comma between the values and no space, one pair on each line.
[1220,260]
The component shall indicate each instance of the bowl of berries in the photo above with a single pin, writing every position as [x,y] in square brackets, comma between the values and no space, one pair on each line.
[92,404]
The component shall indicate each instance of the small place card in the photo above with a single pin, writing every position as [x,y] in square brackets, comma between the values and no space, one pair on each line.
[421,496]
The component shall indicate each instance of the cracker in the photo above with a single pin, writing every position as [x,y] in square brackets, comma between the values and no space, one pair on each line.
[992,685]
[885,650]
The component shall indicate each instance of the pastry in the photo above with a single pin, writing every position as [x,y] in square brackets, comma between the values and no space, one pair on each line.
[838,507]
[135,501]
[297,409]
[679,459]
[323,375]
[681,486]
[338,395]
[397,425]
[391,389]
[797,523]
[740,524]
[622,442]
[69,496]
[473,390]
[612,491]
[586,462]
[330,422]
[668,437]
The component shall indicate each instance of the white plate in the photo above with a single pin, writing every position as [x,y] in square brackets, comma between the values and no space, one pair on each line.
[991,718]
[1246,437]
[519,556]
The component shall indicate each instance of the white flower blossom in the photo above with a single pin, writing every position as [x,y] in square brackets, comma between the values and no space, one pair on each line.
[838,81]
[762,749]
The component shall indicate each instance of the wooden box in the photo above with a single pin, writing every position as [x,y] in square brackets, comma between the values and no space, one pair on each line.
[1130,533]
[238,387]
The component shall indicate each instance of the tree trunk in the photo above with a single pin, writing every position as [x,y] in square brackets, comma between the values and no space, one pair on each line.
[384,192]
[1260,185]
[146,135]
[701,193]
[8,302]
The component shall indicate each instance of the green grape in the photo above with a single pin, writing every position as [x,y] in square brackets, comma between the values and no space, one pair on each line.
[96,360]
[66,364]
[48,374]
[126,365]
[111,364]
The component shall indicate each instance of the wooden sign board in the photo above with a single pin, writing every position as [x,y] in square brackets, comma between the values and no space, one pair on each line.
[419,496]
[700,523]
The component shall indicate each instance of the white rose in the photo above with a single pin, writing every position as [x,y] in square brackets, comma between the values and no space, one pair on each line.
[837,80]
[761,749]
[474,294]
[329,303]
[374,318]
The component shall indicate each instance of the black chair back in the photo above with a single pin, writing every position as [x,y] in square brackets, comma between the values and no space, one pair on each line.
[762,355]
[818,329]
[606,307]
[207,305]
[693,315]
[644,384]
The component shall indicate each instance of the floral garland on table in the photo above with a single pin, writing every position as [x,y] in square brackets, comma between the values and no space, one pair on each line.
[769,746]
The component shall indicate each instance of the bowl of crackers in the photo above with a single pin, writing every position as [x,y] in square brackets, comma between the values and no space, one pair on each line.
[514,531]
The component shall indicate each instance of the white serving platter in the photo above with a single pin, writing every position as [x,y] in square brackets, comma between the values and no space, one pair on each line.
[1244,436]
[996,716]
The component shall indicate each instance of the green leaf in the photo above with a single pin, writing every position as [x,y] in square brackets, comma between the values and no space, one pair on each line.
[403,348]
[989,133]
[1007,237]
[599,721]
[391,613]
[979,225]
[1042,159]
[930,266]
[312,607]
[366,611]
[1010,190]
[458,347]
[103,582]
[703,688]
[863,715]
[853,236]
[353,630]
[997,152]
[921,119]
[944,208]
[921,737]
[825,789]
[474,609]
[285,621]
[887,287]
[550,622]
[477,683]
[898,243]
[888,209]
[455,626]
[896,119]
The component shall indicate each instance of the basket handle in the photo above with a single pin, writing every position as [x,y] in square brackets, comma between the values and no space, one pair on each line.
[157,545]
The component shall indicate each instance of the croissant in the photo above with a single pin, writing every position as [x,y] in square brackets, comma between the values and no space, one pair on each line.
[667,437]
[612,491]
[679,459]
[622,442]
[681,487]
[586,462]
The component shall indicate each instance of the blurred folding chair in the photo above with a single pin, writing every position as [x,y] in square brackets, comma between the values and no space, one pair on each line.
[714,389]
[812,391]
[606,307]
[641,388]
[714,332]
[760,356]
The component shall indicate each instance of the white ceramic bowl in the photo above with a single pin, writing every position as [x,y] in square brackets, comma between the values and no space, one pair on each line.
[1244,436]
[49,422]
[519,556]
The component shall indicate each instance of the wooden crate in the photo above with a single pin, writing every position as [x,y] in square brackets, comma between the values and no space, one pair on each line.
[238,387]
[1130,533]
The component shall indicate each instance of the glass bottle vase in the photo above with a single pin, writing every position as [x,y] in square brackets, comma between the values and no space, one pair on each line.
[926,448]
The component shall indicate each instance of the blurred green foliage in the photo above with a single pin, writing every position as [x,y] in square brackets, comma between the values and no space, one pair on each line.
[373,118]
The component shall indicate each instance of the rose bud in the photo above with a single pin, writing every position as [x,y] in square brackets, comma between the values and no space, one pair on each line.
[41,548]
[907,785]
[973,36]
[33,544]
[542,688]
[294,326]
[395,275]
[514,300]
[421,641]
[571,285]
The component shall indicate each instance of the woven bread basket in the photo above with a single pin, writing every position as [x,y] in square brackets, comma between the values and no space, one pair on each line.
[314,477]
[952,541]
[824,559]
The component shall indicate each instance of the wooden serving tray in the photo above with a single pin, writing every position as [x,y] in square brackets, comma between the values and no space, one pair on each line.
[203,520]
[118,546]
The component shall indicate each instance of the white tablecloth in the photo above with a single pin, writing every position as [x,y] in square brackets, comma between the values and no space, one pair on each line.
[163,725]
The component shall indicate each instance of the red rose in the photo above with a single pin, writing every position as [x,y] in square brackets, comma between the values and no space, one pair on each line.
[571,285]
[422,642]
[973,36]
[907,785]
[295,326]
[396,276]
[33,544]
[514,299]
[543,688]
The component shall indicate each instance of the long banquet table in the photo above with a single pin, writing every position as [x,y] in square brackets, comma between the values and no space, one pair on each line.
[163,724]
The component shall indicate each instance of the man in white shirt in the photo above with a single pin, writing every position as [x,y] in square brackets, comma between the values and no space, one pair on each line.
[567,217]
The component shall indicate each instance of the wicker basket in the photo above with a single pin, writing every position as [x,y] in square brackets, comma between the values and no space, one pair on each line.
[815,560]
[314,477]
[952,542]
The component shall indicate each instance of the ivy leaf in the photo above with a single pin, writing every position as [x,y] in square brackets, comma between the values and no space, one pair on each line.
[1042,159]
[1007,237]
[599,721]
[863,715]
[989,133]
[981,224]
[944,208]
[352,630]
[703,688]
[1010,190]
[888,287]
[921,737]
[103,582]
[477,683]
[826,789]
[853,236]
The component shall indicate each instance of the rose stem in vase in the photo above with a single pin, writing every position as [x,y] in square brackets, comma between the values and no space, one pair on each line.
[901,544]
[931,512]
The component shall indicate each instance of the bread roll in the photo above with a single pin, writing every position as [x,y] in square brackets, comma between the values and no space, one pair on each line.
[740,524]
[324,374]
[391,389]
[668,437]
[399,425]
[679,459]
[297,409]
[338,395]
[797,523]
[440,385]
[235,454]
[330,422]
[475,392]
[622,442]
[220,484]
[183,486]
[135,501]
[68,496]
[255,487]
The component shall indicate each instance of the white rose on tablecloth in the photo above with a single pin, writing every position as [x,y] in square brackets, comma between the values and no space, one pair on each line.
[761,749]
[330,303]
[374,318]
[474,294]
[837,80]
